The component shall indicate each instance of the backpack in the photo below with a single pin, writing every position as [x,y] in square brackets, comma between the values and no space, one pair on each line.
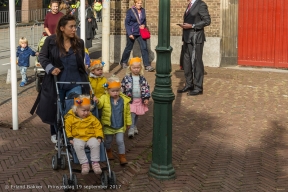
[41,43]
[39,47]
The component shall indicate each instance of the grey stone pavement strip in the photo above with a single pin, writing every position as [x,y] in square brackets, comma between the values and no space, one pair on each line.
[231,138]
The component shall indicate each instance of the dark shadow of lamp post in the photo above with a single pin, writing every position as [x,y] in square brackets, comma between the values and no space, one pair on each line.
[161,167]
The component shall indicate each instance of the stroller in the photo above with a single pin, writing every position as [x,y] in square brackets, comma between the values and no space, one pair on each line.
[39,71]
[59,159]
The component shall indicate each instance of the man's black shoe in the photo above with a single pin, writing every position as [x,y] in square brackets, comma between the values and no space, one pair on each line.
[194,92]
[185,89]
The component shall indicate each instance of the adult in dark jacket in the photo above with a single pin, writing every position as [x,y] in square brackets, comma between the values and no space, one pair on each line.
[196,17]
[61,56]
[133,33]
[90,24]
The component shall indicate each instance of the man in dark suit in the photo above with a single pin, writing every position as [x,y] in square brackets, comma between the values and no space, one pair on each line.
[196,17]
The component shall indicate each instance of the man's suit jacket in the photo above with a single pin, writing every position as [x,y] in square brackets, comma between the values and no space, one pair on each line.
[199,16]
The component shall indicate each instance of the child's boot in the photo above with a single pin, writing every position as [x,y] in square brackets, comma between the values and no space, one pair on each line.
[110,154]
[122,159]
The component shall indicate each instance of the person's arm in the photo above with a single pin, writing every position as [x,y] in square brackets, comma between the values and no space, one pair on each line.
[98,129]
[32,53]
[146,88]
[205,17]
[144,21]
[123,87]
[100,102]
[47,31]
[46,24]
[128,23]
[44,57]
[68,127]
[128,116]
[17,52]
[82,50]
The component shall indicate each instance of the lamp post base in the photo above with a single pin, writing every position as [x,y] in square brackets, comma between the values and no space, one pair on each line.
[162,172]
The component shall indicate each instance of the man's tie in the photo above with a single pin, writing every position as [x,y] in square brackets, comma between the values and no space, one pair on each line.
[189,7]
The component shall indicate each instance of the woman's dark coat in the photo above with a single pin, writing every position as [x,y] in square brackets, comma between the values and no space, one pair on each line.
[46,100]
[131,22]
[90,27]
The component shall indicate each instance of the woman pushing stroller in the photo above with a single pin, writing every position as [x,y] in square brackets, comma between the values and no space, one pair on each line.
[62,56]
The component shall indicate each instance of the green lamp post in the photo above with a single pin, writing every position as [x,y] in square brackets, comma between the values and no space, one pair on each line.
[161,167]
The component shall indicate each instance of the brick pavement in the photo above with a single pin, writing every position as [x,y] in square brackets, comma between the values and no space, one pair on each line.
[231,138]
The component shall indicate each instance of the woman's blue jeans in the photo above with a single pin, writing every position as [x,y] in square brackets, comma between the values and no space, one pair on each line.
[129,47]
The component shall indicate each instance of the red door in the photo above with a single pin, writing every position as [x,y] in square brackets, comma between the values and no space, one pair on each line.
[262,33]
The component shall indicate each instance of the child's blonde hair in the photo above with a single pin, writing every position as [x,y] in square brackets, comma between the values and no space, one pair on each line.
[131,62]
[23,40]
[81,97]
[113,82]
[96,64]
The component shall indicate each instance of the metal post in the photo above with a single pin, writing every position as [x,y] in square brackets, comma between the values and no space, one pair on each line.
[161,167]
[82,21]
[106,35]
[13,64]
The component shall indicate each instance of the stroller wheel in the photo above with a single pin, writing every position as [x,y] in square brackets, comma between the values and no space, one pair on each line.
[104,180]
[63,162]
[65,182]
[74,181]
[112,179]
[54,162]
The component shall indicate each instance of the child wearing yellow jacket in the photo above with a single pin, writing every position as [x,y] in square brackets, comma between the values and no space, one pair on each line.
[115,118]
[83,129]
[96,78]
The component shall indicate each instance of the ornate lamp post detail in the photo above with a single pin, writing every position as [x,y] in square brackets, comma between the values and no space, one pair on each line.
[161,167]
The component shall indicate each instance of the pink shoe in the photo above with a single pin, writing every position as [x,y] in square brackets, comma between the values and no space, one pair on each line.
[85,168]
[96,168]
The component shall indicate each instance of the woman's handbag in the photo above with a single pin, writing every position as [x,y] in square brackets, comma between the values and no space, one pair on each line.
[145,33]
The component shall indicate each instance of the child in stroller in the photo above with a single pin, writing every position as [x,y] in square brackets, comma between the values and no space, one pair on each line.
[68,127]
[83,129]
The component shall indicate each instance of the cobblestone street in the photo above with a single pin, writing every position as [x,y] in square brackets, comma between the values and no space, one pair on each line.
[232,138]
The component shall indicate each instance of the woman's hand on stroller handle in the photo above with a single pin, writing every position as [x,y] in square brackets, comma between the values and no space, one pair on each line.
[55,71]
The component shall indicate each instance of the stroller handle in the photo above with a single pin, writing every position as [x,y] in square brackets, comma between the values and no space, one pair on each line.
[72,82]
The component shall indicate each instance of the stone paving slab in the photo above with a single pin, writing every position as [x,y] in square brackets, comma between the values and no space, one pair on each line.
[231,138]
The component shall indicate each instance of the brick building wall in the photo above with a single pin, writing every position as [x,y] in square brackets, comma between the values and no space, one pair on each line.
[177,8]
[26,8]
[118,8]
